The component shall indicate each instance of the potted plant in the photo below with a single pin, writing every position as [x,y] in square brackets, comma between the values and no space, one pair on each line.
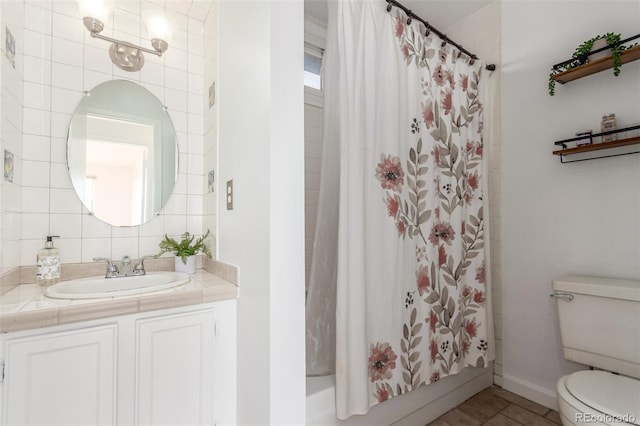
[185,250]
[581,56]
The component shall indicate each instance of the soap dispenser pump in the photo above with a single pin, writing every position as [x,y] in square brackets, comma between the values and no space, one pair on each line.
[48,261]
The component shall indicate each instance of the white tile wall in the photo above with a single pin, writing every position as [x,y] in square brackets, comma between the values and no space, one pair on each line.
[11,112]
[61,61]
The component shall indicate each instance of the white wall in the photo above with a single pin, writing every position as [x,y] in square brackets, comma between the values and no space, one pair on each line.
[581,218]
[261,147]
[61,60]
[210,205]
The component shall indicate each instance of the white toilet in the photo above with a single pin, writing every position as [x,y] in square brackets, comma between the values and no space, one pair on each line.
[600,327]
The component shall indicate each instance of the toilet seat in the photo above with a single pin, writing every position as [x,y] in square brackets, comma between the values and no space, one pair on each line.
[599,398]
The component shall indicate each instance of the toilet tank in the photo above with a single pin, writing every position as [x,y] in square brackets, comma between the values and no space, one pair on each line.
[600,325]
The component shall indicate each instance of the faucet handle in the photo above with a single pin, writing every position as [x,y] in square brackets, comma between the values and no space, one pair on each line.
[138,269]
[112,270]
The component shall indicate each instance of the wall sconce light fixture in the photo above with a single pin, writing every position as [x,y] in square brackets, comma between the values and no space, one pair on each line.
[128,56]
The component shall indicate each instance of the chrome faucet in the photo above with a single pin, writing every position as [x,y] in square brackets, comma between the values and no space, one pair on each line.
[126,268]
[112,270]
[138,269]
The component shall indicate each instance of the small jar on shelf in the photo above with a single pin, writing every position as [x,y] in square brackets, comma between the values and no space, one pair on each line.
[608,124]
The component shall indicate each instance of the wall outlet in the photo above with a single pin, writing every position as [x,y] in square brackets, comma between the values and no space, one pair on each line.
[229,194]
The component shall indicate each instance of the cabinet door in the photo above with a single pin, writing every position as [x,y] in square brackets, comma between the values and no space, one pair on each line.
[66,378]
[174,373]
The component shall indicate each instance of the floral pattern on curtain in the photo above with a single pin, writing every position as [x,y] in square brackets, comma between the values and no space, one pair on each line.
[407,132]
[433,198]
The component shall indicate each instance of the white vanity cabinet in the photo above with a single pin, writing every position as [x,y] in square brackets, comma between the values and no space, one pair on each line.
[168,367]
[63,378]
[174,370]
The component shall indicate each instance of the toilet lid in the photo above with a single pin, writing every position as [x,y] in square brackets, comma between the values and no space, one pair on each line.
[611,394]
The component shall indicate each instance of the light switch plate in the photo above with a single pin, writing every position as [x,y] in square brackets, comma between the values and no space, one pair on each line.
[229,194]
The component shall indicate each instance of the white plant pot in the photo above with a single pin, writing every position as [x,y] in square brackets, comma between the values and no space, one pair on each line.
[189,268]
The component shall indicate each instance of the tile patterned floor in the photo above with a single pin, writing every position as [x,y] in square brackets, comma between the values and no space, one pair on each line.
[498,407]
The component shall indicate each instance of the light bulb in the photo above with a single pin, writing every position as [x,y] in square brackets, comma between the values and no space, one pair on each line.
[159,25]
[97,9]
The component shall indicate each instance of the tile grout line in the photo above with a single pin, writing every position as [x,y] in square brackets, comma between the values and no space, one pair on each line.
[499,412]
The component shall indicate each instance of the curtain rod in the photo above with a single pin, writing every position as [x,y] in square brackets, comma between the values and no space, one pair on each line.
[429,27]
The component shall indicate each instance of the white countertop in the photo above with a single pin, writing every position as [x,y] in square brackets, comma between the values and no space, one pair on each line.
[27,307]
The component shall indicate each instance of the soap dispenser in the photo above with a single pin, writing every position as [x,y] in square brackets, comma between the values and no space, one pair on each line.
[48,261]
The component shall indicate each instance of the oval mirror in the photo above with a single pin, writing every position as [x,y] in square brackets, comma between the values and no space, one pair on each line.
[122,153]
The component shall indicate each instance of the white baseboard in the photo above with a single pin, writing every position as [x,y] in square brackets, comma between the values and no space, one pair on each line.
[530,391]
[497,380]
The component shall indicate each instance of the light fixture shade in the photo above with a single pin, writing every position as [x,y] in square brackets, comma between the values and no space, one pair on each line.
[97,9]
[160,25]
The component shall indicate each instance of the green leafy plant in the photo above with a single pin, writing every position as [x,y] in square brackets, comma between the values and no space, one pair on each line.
[581,54]
[186,247]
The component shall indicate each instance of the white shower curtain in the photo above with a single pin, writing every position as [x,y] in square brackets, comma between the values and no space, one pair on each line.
[401,190]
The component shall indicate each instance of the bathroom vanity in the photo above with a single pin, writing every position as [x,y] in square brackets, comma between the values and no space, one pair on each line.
[165,357]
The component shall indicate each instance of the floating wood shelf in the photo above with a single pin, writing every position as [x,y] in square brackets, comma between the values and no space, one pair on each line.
[598,65]
[566,152]
[598,146]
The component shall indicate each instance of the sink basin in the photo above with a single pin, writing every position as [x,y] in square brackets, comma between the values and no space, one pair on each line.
[98,287]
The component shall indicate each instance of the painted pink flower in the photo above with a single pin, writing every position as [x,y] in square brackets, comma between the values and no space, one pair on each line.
[442,232]
[473,181]
[479,149]
[433,348]
[382,394]
[422,279]
[469,146]
[389,173]
[447,102]
[399,26]
[439,76]
[427,114]
[478,297]
[434,377]
[471,328]
[480,274]
[442,256]
[433,320]
[405,52]
[382,360]
[465,347]
[402,228]
[392,206]
[465,83]
[466,291]
[436,155]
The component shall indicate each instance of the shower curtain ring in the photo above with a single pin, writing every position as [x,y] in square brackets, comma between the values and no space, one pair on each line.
[389,7]
[427,29]
[410,18]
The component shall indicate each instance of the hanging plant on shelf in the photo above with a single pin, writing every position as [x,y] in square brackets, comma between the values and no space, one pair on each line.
[581,56]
